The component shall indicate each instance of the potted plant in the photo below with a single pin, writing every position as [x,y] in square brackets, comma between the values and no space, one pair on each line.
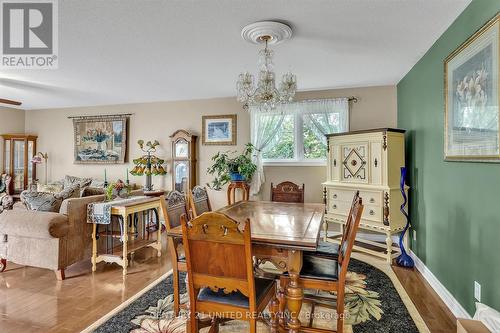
[227,168]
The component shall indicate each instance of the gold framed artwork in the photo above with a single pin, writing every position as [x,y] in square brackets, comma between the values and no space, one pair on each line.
[219,130]
[472,122]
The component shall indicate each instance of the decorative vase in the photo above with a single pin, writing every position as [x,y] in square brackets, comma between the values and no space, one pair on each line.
[237,177]
[404,260]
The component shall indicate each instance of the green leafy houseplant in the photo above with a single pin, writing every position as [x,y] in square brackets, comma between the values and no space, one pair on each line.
[240,167]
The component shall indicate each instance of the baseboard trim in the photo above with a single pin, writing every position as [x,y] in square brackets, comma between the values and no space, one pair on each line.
[455,307]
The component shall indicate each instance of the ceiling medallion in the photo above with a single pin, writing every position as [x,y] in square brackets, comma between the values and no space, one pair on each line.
[266,96]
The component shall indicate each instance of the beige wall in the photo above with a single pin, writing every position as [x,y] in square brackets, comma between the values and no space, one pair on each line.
[11,122]
[376,107]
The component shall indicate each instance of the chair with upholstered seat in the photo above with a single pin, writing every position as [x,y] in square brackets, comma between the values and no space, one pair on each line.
[220,272]
[328,273]
[173,207]
[287,192]
[199,201]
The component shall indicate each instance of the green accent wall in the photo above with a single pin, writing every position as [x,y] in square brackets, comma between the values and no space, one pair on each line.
[454,206]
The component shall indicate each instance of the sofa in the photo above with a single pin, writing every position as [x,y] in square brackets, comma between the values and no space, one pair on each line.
[51,240]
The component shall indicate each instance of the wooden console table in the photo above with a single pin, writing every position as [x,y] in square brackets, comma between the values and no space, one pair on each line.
[123,211]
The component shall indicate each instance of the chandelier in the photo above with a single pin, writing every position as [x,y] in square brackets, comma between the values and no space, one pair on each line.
[266,95]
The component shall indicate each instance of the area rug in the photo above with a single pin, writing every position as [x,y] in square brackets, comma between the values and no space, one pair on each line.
[375,302]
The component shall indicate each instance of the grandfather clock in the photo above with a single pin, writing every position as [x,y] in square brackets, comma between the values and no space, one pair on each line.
[183,161]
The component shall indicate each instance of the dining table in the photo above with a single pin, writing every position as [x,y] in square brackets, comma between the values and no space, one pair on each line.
[280,233]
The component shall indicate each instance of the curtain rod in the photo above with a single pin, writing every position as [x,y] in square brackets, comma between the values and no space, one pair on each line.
[102,116]
[349,99]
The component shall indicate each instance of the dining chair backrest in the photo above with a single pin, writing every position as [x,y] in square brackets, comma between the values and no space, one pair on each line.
[218,255]
[173,207]
[349,235]
[287,192]
[199,201]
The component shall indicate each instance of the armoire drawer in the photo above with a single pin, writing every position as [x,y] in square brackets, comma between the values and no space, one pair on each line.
[373,213]
[339,207]
[368,197]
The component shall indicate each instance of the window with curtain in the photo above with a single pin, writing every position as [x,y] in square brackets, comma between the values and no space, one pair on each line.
[295,132]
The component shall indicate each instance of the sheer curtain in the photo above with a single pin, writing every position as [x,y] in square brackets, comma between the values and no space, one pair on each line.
[264,129]
[322,116]
[326,116]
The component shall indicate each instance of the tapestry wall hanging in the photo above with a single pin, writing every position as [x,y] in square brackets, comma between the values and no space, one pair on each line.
[100,139]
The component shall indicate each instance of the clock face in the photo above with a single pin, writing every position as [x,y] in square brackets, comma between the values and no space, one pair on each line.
[181,148]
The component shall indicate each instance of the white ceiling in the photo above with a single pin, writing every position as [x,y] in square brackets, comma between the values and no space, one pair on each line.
[129,51]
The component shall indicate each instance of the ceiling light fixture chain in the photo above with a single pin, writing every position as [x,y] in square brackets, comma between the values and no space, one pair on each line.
[265,95]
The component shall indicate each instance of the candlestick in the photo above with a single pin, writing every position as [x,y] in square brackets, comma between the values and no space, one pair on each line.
[127,177]
[105,179]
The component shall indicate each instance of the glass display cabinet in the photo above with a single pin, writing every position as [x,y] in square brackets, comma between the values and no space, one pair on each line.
[183,161]
[18,150]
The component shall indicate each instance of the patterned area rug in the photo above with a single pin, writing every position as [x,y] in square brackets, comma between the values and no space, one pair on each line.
[372,301]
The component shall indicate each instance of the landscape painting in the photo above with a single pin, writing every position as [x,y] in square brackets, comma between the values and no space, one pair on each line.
[100,140]
[472,93]
[219,130]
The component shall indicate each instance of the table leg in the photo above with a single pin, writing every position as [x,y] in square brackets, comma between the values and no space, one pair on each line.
[294,293]
[94,247]
[158,241]
[125,244]
[229,189]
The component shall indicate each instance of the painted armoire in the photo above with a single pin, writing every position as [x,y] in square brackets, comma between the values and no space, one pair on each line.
[368,161]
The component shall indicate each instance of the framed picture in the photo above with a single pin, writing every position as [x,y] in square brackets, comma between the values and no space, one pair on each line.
[100,140]
[219,130]
[471,97]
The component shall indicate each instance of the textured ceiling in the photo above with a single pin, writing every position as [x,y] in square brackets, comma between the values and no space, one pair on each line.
[114,52]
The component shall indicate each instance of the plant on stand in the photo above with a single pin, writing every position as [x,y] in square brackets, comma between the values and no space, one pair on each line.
[236,168]
[148,164]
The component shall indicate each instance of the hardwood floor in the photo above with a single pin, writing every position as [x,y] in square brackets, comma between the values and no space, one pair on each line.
[435,313]
[32,300]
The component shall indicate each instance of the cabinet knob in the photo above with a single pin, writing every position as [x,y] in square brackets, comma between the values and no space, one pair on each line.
[372,212]
[372,200]
[376,162]
[334,206]
[334,162]
[335,196]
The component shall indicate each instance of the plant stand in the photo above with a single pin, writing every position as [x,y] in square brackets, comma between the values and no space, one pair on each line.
[231,191]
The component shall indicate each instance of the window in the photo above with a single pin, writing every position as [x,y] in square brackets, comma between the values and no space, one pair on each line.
[295,132]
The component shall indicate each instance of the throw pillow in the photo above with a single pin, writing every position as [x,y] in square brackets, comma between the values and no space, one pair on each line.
[90,191]
[49,188]
[41,201]
[82,182]
[69,192]
[97,183]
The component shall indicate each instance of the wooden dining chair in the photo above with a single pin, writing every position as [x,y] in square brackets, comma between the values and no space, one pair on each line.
[287,192]
[220,272]
[199,201]
[327,273]
[173,207]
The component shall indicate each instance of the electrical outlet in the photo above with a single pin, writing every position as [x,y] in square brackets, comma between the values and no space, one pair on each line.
[477,291]
[415,235]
